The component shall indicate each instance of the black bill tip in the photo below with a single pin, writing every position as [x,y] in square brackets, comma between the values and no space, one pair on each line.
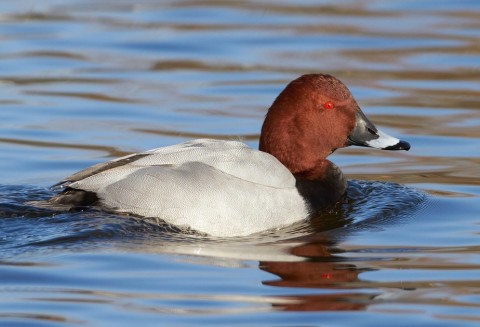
[401,145]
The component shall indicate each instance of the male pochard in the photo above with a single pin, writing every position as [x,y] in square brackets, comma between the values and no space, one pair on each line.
[225,188]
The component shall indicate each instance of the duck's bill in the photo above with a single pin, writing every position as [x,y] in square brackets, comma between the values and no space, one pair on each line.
[366,134]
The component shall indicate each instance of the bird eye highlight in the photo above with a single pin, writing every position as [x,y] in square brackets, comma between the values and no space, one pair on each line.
[328,105]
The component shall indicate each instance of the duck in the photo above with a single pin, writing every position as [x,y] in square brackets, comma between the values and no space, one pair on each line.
[225,188]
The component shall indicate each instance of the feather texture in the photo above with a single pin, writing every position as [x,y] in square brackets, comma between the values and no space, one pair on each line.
[222,188]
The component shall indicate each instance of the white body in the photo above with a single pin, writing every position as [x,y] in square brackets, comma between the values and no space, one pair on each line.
[222,188]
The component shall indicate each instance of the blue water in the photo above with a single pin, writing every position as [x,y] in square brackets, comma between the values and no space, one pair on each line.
[87,81]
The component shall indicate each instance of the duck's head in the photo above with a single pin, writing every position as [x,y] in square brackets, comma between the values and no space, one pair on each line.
[312,117]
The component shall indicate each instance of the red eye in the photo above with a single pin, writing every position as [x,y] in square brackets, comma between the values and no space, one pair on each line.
[328,105]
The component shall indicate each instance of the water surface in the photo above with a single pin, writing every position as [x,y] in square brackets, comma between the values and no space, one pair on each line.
[87,81]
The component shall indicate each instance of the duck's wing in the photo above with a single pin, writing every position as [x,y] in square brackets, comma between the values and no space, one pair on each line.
[230,157]
[98,168]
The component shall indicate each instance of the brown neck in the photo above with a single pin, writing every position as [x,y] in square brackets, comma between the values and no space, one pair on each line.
[316,171]
[302,153]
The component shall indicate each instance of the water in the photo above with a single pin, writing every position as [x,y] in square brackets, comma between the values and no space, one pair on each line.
[86,81]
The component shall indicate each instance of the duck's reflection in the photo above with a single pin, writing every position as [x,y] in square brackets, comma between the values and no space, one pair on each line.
[307,257]
[322,270]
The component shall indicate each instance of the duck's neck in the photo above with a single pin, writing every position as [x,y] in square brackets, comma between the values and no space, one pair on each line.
[295,153]
[312,170]
[320,182]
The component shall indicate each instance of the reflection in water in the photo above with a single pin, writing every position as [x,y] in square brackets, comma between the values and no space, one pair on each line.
[323,271]
[305,255]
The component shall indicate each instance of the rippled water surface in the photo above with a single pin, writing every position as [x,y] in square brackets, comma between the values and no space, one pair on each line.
[86,81]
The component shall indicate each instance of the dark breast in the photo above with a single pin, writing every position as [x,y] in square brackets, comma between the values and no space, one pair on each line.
[325,190]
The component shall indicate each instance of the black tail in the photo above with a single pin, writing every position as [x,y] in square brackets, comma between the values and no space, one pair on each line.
[75,198]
